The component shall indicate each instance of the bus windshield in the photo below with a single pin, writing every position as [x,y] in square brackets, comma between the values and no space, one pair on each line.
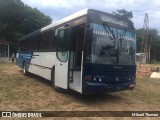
[111,46]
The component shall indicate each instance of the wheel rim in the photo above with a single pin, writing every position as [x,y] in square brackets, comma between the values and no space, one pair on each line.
[24,69]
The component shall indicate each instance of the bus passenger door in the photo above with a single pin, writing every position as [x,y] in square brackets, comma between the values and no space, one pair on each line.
[62,55]
[76,58]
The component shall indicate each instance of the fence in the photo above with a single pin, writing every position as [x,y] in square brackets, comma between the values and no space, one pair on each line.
[141,58]
[4,53]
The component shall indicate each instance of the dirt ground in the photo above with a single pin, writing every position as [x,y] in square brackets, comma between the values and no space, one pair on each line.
[31,93]
[145,70]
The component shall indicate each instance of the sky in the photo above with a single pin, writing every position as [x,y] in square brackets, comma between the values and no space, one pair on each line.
[58,9]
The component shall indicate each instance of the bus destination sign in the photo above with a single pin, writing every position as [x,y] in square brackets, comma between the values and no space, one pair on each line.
[113,20]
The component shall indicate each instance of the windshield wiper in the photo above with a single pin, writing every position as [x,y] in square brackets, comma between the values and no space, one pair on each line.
[108,29]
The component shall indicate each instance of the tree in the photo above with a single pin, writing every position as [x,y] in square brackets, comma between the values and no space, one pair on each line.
[33,19]
[124,13]
[17,19]
[9,16]
[153,43]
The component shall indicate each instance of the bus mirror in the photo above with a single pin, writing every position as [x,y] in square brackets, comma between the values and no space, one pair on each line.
[87,26]
[66,25]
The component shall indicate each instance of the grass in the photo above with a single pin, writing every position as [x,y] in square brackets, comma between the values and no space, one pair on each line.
[147,90]
[19,92]
[155,62]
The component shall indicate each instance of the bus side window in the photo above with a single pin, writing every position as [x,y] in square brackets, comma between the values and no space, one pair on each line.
[38,42]
[63,39]
[32,43]
[26,44]
[42,41]
[35,43]
[53,39]
[49,40]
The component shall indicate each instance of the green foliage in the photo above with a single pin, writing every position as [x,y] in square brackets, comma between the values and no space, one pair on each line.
[153,42]
[124,13]
[33,19]
[17,19]
[153,37]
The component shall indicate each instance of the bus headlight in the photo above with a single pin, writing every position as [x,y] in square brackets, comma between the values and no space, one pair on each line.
[88,77]
[131,78]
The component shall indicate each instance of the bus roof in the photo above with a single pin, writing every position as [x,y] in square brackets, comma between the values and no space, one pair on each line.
[64,20]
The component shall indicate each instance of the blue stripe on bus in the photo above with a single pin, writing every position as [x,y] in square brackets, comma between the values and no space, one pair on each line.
[24,56]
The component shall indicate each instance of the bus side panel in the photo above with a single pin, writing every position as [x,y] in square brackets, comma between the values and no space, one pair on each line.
[42,63]
[22,57]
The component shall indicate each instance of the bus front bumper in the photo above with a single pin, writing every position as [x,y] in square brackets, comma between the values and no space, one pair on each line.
[91,88]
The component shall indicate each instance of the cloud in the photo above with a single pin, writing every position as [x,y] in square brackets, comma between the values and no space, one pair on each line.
[58,9]
[55,3]
[78,3]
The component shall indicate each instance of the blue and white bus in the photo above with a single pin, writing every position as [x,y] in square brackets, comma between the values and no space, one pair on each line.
[89,52]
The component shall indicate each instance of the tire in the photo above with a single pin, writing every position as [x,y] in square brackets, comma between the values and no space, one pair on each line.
[25,72]
[53,80]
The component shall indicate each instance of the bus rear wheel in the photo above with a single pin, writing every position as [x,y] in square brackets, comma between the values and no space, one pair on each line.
[25,69]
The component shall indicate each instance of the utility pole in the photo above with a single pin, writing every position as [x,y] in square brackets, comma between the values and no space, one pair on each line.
[145,38]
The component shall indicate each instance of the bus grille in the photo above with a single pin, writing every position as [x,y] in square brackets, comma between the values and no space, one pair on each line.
[116,77]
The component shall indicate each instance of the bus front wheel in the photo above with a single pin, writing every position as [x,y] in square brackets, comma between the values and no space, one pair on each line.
[53,80]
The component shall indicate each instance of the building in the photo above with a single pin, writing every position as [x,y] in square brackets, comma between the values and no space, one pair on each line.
[4,51]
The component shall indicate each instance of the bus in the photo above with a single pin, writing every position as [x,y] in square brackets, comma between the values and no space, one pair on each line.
[89,52]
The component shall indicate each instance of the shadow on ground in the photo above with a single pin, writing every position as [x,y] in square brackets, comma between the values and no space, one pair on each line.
[86,99]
